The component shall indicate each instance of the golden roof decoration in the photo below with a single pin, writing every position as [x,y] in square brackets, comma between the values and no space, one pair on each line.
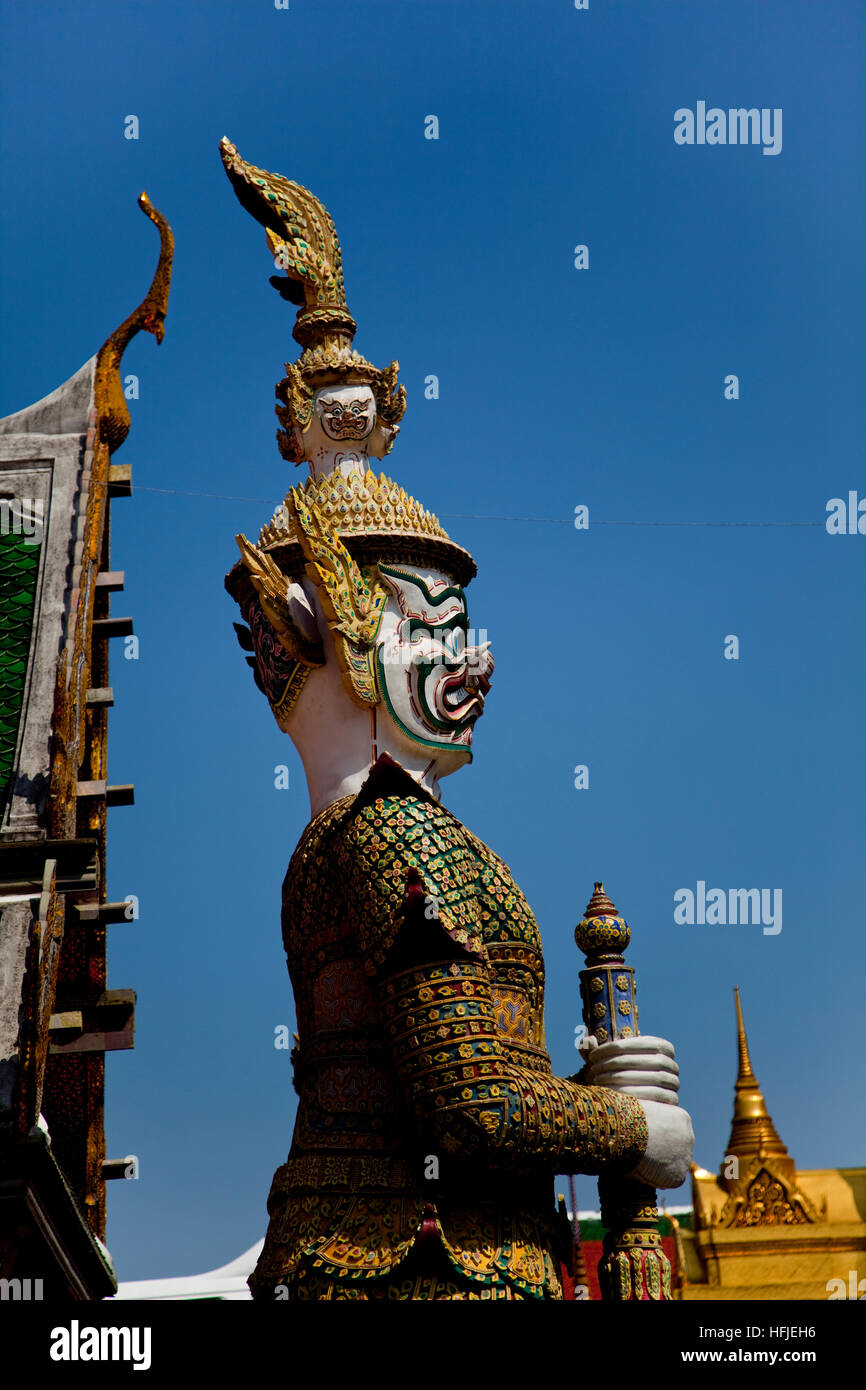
[114,419]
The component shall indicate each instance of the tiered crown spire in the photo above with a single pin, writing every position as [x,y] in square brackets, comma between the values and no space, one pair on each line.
[372,516]
[303,242]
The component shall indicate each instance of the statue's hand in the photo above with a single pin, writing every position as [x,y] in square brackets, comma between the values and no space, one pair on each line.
[669,1148]
[643,1067]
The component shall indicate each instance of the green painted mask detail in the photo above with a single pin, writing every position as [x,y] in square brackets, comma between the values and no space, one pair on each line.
[426,672]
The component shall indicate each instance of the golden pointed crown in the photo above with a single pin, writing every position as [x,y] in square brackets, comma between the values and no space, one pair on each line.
[334,529]
[303,241]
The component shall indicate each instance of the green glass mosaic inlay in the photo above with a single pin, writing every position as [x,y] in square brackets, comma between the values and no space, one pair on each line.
[19,570]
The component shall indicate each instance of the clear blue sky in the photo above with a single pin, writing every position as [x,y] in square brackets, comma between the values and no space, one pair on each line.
[558,387]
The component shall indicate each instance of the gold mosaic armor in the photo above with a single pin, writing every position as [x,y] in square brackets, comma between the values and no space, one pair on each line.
[430,1125]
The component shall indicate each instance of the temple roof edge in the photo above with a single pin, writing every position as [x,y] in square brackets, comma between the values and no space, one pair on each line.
[65,410]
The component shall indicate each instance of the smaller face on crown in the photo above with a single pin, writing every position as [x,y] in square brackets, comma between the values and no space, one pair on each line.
[346,412]
[337,427]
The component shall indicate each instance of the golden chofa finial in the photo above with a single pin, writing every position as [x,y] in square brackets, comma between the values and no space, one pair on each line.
[112,410]
[753,1133]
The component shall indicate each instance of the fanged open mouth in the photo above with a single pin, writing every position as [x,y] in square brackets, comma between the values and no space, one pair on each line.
[456,698]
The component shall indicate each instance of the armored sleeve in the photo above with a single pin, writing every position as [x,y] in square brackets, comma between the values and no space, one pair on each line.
[417,922]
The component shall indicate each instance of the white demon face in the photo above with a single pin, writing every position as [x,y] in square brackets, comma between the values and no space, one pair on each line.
[432,683]
[346,412]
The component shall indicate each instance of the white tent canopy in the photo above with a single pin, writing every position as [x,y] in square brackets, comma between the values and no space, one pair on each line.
[229,1282]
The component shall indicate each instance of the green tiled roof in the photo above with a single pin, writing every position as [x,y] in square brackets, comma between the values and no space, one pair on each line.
[19,570]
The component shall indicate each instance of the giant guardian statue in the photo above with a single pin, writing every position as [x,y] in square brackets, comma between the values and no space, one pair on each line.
[430,1126]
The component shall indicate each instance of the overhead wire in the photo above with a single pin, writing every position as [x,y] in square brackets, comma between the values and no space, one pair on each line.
[485,516]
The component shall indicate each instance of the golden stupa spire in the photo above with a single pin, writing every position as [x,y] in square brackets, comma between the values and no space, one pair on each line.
[753,1134]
